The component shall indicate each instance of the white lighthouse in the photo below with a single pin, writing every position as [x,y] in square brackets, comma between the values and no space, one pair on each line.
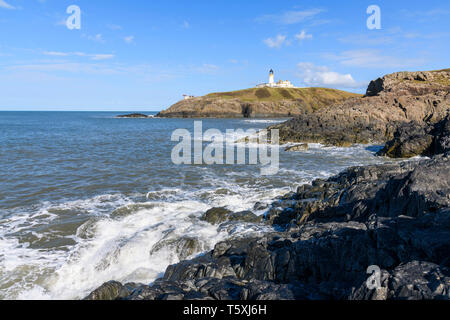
[273,84]
[271,78]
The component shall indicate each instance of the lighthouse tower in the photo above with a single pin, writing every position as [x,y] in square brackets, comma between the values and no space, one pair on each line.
[271,78]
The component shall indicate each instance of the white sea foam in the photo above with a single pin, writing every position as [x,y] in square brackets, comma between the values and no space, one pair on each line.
[264,121]
[129,241]
[115,247]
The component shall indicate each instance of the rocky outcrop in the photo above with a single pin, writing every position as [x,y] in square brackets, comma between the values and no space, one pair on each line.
[417,97]
[395,216]
[134,116]
[297,147]
[257,103]
[220,215]
[412,140]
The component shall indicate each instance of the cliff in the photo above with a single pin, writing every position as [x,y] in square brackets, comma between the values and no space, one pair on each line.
[420,98]
[257,103]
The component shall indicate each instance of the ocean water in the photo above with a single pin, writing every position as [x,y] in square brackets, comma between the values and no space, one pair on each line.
[87,198]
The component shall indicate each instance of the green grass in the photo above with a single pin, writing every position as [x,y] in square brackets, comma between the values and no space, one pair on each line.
[278,94]
[447,70]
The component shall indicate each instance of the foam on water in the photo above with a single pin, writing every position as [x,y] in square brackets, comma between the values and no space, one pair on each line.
[63,249]
[134,242]
[265,121]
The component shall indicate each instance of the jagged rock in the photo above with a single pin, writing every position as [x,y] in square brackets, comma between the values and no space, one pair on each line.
[415,280]
[260,206]
[183,247]
[412,140]
[216,215]
[112,290]
[298,147]
[418,97]
[219,215]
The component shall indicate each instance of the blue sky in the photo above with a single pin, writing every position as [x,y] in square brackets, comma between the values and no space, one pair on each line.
[144,55]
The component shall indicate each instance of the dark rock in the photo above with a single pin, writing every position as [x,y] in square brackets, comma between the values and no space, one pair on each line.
[244,216]
[183,246]
[112,290]
[297,147]
[260,206]
[133,115]
[395,216]
[220,215]
[391,101]
[415,280]
[412,140]
[216,215]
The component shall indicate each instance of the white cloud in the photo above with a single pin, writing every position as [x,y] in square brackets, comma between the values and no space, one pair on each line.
[186,25]
[56,54]
[371,58]
[276,42]
[129,39]
[114,27]
[79,54]
[5,5]
[290,17]
[97,38]
[303,36]
[206,68]
[101,56]
[313,75]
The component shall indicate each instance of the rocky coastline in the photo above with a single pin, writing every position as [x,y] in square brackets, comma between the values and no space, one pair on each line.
[395,216]
[419,98]
[134,116]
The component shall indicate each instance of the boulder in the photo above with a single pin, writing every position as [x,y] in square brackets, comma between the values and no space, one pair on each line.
[297,147]
[217,215]
[411,140]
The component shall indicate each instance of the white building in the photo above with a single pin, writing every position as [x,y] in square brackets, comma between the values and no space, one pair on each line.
[272,84]
[187,97]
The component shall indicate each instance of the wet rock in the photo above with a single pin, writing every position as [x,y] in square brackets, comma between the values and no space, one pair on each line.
[216,215]
[416,280]
[260,206]
[183,247]
[298,147]
[412,140]
[220,215]
[133,115]
[112,290]
[244,216]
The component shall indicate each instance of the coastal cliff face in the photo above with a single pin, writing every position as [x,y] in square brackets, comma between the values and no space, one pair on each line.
[421,98]
[257,103]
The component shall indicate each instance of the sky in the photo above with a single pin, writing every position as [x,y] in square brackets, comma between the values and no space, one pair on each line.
[144,55]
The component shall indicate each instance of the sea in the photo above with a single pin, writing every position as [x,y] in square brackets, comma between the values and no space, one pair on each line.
[86,198]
